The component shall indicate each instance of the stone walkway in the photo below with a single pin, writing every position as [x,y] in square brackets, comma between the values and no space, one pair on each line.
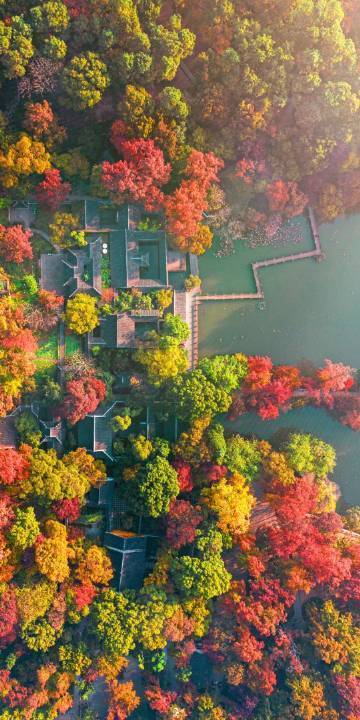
[185,305]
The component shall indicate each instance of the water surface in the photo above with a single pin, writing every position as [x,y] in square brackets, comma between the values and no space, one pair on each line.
[311,313]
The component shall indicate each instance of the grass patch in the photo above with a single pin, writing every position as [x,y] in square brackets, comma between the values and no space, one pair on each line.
[4,216]
[40,245]
[73,344]
[105,270]
[47,354]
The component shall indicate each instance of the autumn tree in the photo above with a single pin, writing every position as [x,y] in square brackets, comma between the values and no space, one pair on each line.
[335,637]
[38,118]
[64,230]
[85,80]
[152,487]
[286,198]
[51,479]
[52,191]
[15,244]
[21,159]
[347,410]
[17,360]
[231,503]
[81,314]
[95,567]
[139,176]
[51,553]
[307,696]
[309,454]
[183,519]
[82,397]
[162,364]
[184,208]
[123,700]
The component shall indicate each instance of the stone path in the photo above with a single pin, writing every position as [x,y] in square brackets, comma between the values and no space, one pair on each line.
[185,305]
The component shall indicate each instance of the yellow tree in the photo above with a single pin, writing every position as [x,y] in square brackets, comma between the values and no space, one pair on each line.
[95,566]
[162,363]
[336,638]
[307,696]
[81,314]
[22,158]
[51,552]
[231,501]
[276,468]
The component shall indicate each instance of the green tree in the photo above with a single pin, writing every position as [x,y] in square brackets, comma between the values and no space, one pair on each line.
[54,48]
[81,314]
[39,636]
[169,46]
[153,487]
[16,46]
[137,108]
[308,454]
[62,229]
[25,529]
[27,428]
[195,396]
[85,80]
[49,390]
[74,659]
[172,103]
[352,519]
[194,577]
[215,440]
[115,621]
[154,611]
[225,371]
[174,331]
[141,447]
[51,16]
[243,456]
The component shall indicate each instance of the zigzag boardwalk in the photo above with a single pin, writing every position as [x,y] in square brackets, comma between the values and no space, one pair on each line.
[317,254]
[256,266]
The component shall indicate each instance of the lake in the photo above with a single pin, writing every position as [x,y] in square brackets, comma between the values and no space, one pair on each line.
[311,312]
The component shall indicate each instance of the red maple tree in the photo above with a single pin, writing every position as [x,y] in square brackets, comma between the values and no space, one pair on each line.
[67,509]
[139,176]
[15,244]
[14,466]
[182,521]
[82,396]
[185,207]
[52,191]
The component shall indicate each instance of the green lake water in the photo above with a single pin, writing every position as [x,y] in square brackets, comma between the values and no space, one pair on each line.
[311,312]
